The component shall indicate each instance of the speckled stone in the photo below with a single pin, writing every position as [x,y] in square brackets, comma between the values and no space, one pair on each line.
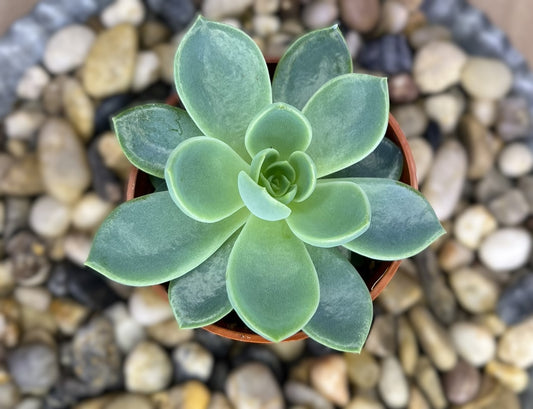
[473,224]
[147,368]
[475,291]
[516,345]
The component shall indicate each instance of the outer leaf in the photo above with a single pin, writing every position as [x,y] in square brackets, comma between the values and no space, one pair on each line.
[403,222]
[222,80]
[386,161]
[334,214]
[309,63]
[259,201]
[201,175]
[272,283]
[349,116]
[148,241]
[148,133]
[305,175]
[199,297]
[279,126]
[344,315]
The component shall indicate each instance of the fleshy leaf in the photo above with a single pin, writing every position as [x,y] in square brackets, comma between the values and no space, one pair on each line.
[258,200]
[305,175]
[403,222]
[349,116]
[309,63]
[334,214]
[222,80]
[148,133]
[272,283]
[344,315]
[386,161]
[279,126]
[262,160]
[160,185]
[149,240]
[200,298]
[201,175]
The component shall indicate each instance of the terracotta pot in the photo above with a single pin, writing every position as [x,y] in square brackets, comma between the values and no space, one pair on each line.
[376,278]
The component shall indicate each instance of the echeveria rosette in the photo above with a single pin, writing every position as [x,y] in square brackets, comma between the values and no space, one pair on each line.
[263,183]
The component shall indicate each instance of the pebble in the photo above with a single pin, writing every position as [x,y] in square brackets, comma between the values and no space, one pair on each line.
[30,264]
[52,97]
[394,17]
[444,183]
[461,384]
[437,66]
[169,334]
[363,370]
[178,14]
[484,110]
[147,368]
[255,353]
[110,65]
[288,351]
[364,402]
[34,368]
[411,118]
[423,155]
[252,385]
[516,160]
[67,49]
[433,135]
[402,89]
[9,395]
[68,314]
[512,377]
[190,395]
[130,401]
[62,161]
[445,109]
[428,380]
[192,361]
[511,208]
[14,214]
[105,182]
[401,293]
[38,298]
[77,247]
[505,249]
[90,212]
[20,177]
[393,387]
[475,291]
[166,53]
[301,394]
[389,54]
[494,395]
[30,403]
[128,332]
[525,184]
[330,378]
[485,78]
[218,9]
[149,305]
[408,350]
[265,25]
[7,281]
[360,15]
[219,401]
[96,358]
[79,108]
[266,6]
[23,124]
[491,185]
[474,343]
[49,217]
[123,11]
[32,83]
[492,322]
[153,32]
[319,14]
[515,347]
[429,33]
[146,70]
[473,224]
[516,301]
[433,338]
[514,119]
[381,341]
[454,255]
[417,400]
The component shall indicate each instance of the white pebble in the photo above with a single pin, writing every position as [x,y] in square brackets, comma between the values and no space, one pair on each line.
[516,160]
[146,70]
[49,217]
[23,124]
[32,83]
[473,224]
[506,249]
[90,211]
[123,11]
[67,48]
[474,343]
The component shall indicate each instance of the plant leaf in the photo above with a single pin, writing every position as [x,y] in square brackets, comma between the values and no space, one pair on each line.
[149,240]
[279,126]
[160,185]
[272,283]
[334,214]
[305,175]
[148,133]
[222,80]
[403,222]
[200,298]
[344,315]
[262,160]
[258,200]
[309,63]
[201,175]
[386,161]
[349,116]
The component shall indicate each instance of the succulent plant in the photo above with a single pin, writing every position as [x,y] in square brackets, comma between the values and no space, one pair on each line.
[264,183]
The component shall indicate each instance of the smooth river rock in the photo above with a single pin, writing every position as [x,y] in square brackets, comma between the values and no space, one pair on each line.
[68,48]
[486,78]
[506,249]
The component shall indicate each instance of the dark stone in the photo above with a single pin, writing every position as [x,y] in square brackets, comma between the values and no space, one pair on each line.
[51,16]
[217,381]
[17,215]
[313,348]
[389,54]
[157,92]
[58,281]
[256,353]
[433,135]
[218,346]
[107,108]
[30,264]
[88,287]
[467,25]
[462,383]
[104,181]
[516,301]
[177,14]
[526,397]
[442,11]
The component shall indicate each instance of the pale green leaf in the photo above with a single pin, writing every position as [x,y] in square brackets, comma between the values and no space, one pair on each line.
[222,80]
[149,241]
[403,222]
[160,185]
[305,175]
[334,214]
[262,160]
[344,315]
[272,283]
[309,63]
[201,175]
[148,133]
[258,200]
[200,298]
[279,126]
[349,116]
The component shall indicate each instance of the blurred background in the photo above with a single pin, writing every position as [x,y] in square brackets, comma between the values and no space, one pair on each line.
[454,328]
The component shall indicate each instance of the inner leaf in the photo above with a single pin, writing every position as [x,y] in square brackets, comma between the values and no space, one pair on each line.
[281,168]
[305,170]
[263,159]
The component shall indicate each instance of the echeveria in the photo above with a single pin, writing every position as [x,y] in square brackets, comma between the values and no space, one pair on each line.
[264,182]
